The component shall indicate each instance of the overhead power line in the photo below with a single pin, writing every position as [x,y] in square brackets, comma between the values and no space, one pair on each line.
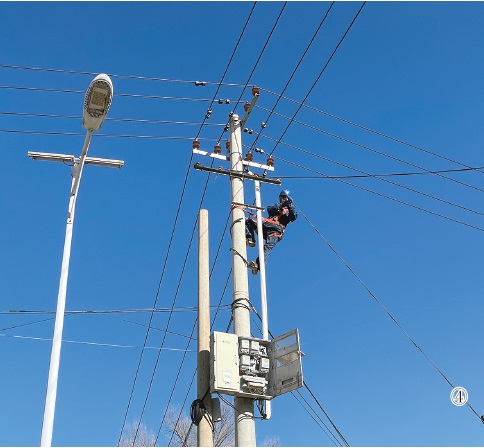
[405,187]
[260,56]
[399,201]
[128,120]
[113,75]
[320,74]
[331,437]
[368,290]
[368,148]
[366,176]
[124,95]
[76,134]
[297,67]
[98,344]
[365,128]
[190,309]
[173,231]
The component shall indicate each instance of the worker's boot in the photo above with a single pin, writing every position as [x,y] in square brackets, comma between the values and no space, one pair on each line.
[254,267]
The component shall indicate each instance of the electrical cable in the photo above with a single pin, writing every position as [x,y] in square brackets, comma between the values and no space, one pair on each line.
[381,134]
[78,134]
[368,148]
[321,73]
[366,176]
[386,180]
[352,271]
[325,413]
[296,68]
[113,75]
[333,438]
[191,309]
[122,95]
[227,68]
[388,197]
[218,308]
[124,120]
[188,171]
[195,372]
[327,416]
[259,57]
[98,344]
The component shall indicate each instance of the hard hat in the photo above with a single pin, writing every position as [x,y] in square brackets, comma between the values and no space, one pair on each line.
[284,193]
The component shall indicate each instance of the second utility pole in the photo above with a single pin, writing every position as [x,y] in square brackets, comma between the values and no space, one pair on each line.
[244,407]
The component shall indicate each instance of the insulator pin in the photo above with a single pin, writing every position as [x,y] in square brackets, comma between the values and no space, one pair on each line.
[196,144]
[270,161]
[217,149]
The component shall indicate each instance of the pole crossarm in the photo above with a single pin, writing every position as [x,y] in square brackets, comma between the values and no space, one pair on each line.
[222,157]
[68,158]
[220,170]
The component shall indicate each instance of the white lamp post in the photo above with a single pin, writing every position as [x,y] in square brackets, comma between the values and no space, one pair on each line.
[96,105]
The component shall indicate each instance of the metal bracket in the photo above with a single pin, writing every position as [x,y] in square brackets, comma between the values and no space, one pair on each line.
[248,206]
[220,170]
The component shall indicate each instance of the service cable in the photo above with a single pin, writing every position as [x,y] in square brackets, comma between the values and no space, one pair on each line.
[368,290]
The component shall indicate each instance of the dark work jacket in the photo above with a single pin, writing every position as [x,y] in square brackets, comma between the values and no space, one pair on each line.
[283,220]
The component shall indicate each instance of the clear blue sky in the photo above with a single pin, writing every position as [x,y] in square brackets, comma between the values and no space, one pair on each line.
[409,70]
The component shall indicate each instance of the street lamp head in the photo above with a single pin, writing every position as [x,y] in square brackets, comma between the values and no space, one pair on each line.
[97,101]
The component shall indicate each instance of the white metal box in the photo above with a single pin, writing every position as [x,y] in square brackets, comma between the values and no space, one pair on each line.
[224,363]
[253,367]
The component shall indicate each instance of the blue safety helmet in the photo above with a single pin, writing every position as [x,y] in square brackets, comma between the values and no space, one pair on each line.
[284,193]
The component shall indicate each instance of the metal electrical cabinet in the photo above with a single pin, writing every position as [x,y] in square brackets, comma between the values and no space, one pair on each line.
[224,363]
[255,368]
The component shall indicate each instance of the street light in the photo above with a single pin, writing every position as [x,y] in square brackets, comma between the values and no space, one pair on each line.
[96,105]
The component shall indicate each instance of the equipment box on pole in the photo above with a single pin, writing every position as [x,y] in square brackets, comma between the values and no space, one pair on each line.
[253,367]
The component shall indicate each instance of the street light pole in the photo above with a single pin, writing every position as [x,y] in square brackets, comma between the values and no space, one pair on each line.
[96,104]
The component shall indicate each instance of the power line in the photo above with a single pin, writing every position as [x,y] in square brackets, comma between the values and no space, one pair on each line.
[321,73]
[77,134]
[365,128]
[176,220]
[122,95]
[191,309]
[366,176]
[333,438]
[226,69]
[368,148]
[386,196]
[386,180]
[368,290]
[127,120]
[325,413]
[260,56]
[99,344]
[146,78]
[297,67]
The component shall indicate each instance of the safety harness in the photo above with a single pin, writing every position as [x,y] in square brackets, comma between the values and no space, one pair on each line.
[272,220]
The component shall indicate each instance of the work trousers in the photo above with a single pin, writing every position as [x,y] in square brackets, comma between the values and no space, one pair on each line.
[267,229]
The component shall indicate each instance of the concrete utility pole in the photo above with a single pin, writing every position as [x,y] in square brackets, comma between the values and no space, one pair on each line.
[244,407]
[204,432]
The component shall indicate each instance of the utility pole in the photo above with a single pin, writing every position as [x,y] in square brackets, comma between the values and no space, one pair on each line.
[204,432]
[244,407]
